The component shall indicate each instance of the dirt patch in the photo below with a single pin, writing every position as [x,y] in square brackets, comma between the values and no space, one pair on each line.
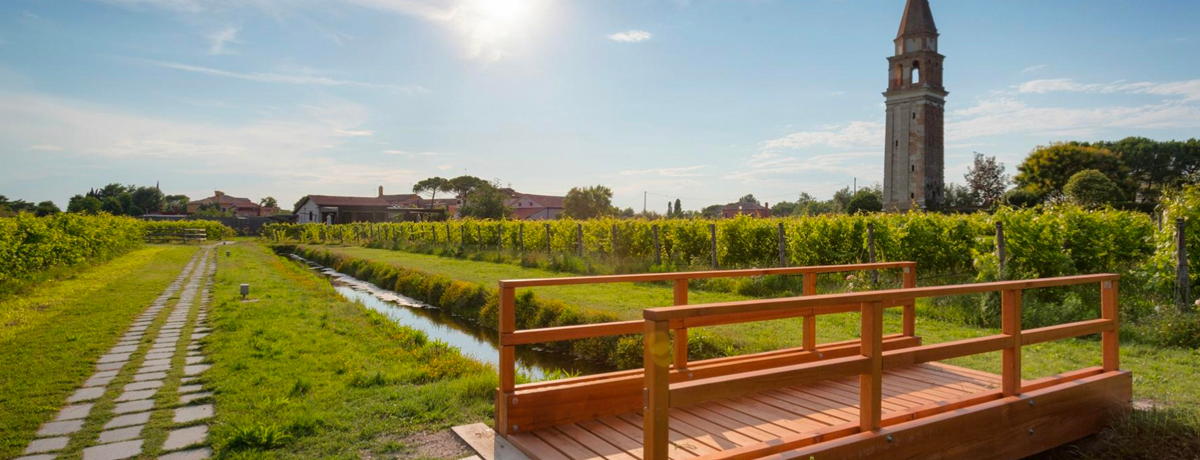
[438,444]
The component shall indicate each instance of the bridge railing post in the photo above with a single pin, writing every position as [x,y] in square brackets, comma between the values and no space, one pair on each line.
[910,311]
[810,322]
[870,384]
[1011,326]
[657,405]
[508,359]
[681,334]
[1111,338]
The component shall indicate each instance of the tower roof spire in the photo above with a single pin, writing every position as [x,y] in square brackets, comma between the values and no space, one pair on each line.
[918,19]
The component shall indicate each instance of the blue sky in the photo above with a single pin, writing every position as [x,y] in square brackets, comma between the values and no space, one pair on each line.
[704,100]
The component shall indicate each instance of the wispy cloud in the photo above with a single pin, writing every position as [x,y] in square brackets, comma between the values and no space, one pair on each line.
[221,39]
[291,79]
[775,168]
[852,135]
[352,133]
[684,171]
[411,155]
[45,148]
[631,36]
[1035,68]
[1189,90]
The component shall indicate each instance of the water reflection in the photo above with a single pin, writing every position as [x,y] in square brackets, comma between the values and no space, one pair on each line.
[477,342]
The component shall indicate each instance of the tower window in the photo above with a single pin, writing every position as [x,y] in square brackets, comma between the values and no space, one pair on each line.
[914,168]
[916,72]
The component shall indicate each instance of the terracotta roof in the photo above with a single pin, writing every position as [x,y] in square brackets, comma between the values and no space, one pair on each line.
[327,200]
[918,19]
[548,201]
[525,213]
[224,199]
[401,198]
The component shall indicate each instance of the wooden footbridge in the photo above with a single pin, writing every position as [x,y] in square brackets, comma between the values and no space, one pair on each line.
[884,396]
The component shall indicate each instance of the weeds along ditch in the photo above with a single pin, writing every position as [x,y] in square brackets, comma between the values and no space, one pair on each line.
[470,338]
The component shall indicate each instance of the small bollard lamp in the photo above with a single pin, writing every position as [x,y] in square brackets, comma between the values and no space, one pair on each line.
[245,291]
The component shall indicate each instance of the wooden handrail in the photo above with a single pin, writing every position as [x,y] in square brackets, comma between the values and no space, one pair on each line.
[661,394]
[756,306]
[651,277]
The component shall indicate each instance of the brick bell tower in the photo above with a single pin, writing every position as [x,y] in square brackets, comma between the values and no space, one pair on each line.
[914,173]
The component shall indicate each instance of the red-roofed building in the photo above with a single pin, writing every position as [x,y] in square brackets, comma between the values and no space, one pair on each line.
[342,209]
[527,206]
[238,206]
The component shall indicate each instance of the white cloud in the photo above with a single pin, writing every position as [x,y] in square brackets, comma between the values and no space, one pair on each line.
[1189,90]
[352,133]
[856,134]
[411,155]
[1010,116]
[291,79]
[1035,68]
[445,167]
[45,148]
[631,36]
[221,38]
[289,152]
[684,171]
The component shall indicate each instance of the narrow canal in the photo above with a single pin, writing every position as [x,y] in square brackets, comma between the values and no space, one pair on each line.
[472,340]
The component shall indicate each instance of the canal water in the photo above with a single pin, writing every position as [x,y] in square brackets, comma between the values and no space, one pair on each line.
[472,340]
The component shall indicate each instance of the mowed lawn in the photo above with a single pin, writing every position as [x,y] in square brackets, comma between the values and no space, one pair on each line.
[300,372]
[52,333]
[1161,375]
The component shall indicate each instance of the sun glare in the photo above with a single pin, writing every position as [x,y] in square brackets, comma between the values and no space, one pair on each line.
[506,13]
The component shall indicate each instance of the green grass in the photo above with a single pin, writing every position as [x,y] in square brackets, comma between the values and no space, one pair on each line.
[299,372]
[52,334]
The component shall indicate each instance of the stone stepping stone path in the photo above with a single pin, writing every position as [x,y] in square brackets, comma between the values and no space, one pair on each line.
[133,402]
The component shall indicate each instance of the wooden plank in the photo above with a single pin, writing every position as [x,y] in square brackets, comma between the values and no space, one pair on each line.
[766,305]
[1110,339]
[942,351]
[987,431]
[742,418]
[594,443]
[909,319]
[676,439]
[566,445]
[651,277]
[634,430]
[870,383]
[507,364]
[656,420]
[1010,318]
[845,410]
[695,391]
[614,437]
[535,448]
[804,408]
[1065,331]
[959,432]
[561,333]
[745,429]
[774,415]
[711,439]
[809,336]
[484,441]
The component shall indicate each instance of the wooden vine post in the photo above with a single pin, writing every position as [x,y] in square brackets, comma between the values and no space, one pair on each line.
[712,236]
[614,241]
[521,236]
[548,248]
[579,239]
[1001,247]
[1183,291]
[657,247]
[871,252]
[782,247]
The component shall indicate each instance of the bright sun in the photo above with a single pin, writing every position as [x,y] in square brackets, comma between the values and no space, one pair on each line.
[506,13]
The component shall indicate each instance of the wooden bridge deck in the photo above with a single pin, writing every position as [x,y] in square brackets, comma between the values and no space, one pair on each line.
[724,424]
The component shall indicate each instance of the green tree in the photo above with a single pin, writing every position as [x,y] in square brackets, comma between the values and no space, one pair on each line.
[464,185]
[1021,198]
[175,204]
[269,202]
[1157,166]
[1092,189]
[959,196]
[431,187]
[1048,168]
[678,208]
[148,199]
[84,204]
[588,202]
[841,199]
[486,201]
[783,209]
[986,181]
[749,198]
[866,200]
[212,210]
[807,205]
[712,212]
[112,205]
[46,208]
